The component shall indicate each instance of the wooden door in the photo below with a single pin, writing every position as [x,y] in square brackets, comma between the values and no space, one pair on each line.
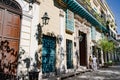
[11,29]
[9,41]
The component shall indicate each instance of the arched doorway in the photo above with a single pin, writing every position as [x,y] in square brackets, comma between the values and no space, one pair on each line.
[10,21]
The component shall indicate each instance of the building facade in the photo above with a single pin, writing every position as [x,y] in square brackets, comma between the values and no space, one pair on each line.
[112,35]
[118,47]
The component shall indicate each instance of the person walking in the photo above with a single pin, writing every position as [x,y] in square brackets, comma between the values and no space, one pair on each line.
[90,62]
[94,63]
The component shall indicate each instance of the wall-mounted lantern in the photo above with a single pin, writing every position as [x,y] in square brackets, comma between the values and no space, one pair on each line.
[45,21]
[79,37]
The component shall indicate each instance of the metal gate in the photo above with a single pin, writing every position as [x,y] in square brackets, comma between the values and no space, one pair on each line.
[48,54]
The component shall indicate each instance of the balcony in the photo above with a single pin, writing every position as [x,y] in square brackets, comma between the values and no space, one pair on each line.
[86,4]
[86,12]
[113,38]
[112,35]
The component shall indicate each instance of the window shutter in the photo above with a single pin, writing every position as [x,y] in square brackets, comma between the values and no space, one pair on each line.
[69,21]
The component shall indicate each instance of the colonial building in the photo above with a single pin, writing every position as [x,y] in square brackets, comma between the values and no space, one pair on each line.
[118,48]
[112,35]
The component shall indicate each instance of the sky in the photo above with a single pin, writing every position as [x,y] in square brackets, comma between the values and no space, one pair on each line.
[115,7]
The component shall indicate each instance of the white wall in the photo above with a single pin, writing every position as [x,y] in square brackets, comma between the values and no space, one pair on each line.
[28,40]
[33,41]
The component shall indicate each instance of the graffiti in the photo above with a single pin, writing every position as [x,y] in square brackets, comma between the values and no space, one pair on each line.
[8,59]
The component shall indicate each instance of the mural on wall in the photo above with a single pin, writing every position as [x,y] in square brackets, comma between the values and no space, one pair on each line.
[8,58]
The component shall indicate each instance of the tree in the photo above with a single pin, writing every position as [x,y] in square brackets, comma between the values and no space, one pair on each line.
[107,46]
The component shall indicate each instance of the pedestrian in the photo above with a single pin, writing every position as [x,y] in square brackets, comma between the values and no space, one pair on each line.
[94,63]
[90,62]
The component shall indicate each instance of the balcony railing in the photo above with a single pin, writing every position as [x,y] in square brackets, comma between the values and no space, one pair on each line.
[86,4]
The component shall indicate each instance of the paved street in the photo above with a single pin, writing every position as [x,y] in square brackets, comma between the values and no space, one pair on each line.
[111,73]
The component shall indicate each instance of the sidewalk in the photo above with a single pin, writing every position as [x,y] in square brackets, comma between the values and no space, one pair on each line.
[79,71]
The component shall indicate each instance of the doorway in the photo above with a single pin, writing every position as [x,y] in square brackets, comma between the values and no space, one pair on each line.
[48,54]
[83,49]
[69,53]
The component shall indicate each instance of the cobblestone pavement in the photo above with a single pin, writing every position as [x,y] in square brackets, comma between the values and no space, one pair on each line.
[111,73]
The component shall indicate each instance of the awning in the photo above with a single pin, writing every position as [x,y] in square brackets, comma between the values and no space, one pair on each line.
[74,6]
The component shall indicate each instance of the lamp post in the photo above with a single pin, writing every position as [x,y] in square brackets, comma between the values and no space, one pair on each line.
[45,21]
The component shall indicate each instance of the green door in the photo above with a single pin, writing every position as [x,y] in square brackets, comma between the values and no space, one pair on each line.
[48,54]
